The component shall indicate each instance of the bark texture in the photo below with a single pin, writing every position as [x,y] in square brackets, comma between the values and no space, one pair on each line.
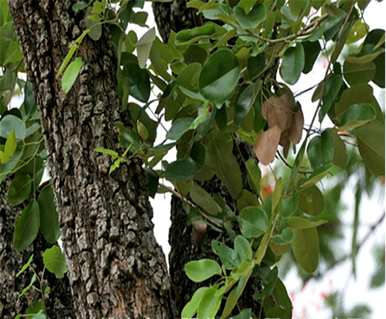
[175,16]
[59,304]
[116,268]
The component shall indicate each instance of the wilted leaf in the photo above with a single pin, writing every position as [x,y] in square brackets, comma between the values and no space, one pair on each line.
[266,145]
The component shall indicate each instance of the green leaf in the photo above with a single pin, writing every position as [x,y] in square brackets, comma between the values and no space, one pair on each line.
[357,32]
[179,127]
[181,170]
[251,19]
[235,295]
[253,222]
[247,5]
[218,79]
[25,266]
[226,254]
[242,248]
[137,81]
[320,150]
[244,314]
[191,307]
[71,74]
[144,45]
[303,223]
[311,200]
[277,194]
[55,262]
[10,146]
[357,115]
[49,219]
[225,164]
[254,174]
[332,87]
[201,270]
[10,123]
[106,151]
[358,73]
[305,246]
[210,303]
[19,190]
[311,53]
[292,64]
[26,226]
[192,35]
[79,6]
[371,143]
[203,199]
[245,101]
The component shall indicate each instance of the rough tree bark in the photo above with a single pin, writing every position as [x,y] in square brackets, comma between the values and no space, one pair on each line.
[116,268]
[175,16]
[59,304]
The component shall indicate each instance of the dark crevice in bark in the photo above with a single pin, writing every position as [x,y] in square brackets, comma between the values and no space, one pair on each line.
[116,268]
[59,302]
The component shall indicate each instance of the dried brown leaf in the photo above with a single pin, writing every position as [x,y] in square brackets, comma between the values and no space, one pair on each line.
[278,111]
[266,145]
[296,130]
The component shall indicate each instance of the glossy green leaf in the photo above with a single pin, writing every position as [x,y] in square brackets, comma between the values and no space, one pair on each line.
[358,73]
[292,64]
[245,101]
[203,269]
[311,200]
[332,88]
[357,32]
[305,246]
[26,226]
[11,123]
[203,199]
[49,219]
[357,115]
[55,262]
[71,74]
[181,170]
[144,45]
[218,79]
[251,19]
[19,189]
[311,53]
[179,127]
[253,222]
[320,150]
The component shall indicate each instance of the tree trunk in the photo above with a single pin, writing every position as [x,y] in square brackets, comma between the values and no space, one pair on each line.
[116,268]
[174,16]
[59,303]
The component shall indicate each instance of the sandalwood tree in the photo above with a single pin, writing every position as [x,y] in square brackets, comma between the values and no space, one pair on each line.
[86,100]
